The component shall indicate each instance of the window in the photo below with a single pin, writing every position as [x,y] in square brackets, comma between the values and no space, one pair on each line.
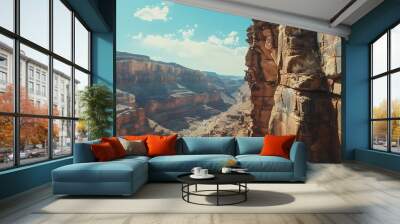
[7,14]
[61,74]
[81,45]
[35,21]
[46,74]
[7,73]
[81,81]
[3,78]
[44,91]
[62,137]
[385,94]
[37,89]
[62,29]
[6,142]
[3,61]
[30,72]
[37,75]
[30,88]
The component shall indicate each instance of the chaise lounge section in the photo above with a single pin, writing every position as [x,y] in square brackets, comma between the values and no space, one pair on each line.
[125,176]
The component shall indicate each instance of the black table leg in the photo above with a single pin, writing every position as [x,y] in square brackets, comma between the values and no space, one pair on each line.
[245,193]
[217,194]
[188,189]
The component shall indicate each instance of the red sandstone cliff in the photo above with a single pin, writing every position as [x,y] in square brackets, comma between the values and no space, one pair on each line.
[294,76]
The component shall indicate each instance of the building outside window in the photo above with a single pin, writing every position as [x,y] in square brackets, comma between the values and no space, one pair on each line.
[57,127]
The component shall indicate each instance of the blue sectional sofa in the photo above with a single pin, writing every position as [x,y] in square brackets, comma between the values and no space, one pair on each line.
[125,176]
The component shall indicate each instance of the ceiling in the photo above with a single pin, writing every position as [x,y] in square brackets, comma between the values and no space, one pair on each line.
[328,16]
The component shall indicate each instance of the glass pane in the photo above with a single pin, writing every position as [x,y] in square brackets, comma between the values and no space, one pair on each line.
[62,89]
[7,14]
[81,45]
[81,81]
[379,97]
[62,29]
[6,142]
[395,94]
[35,21]
[34,97]
[81,131]
[395,47]
[379,55]
[395,138]
[6,74]
[379,135]
[33,139]
[62,138]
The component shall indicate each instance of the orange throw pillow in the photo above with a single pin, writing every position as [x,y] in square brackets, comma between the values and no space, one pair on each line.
[161,145]
[103,152]
[136,137]
[116,145]
[277,145]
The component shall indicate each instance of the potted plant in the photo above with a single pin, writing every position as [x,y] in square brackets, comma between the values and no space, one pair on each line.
[96,102]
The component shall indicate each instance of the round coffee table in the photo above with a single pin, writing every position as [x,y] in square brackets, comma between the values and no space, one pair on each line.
[238,179]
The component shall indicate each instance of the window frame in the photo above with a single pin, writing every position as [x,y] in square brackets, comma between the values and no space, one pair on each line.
[16,115]
[388,74]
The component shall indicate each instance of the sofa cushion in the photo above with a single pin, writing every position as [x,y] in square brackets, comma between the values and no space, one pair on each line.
[207,145]
[112,171]
[134,147]
[277,145]
[133,158]
[185,163]
[103,152]
[257,163]
[116,145]
[161,145]
[249,145]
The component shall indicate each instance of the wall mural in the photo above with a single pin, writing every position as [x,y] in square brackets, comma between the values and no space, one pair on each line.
[196,72]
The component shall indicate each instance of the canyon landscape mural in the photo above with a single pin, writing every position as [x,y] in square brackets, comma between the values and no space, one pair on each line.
[240,78]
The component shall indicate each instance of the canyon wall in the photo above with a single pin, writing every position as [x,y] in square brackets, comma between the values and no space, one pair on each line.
[294,76]
[164,98]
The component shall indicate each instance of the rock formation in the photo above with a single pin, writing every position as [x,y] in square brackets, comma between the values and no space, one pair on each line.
[262,74]
[159,97]
[294,76]
[236,121]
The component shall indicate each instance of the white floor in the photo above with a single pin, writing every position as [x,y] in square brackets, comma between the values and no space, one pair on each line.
[377,190]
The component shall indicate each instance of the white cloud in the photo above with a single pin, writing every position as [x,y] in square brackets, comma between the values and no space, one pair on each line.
[138,36]
[150,13]
[230,39]
[203,55]
[187,34]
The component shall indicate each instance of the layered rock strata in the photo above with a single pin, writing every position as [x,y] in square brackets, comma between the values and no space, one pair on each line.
[294,76]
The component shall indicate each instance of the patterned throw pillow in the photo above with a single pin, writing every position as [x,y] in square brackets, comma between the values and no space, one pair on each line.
[134,147]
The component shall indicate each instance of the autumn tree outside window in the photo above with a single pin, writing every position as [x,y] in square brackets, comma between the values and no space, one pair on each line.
[45,63]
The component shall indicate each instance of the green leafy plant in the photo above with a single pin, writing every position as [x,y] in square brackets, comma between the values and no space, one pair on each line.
[96,102]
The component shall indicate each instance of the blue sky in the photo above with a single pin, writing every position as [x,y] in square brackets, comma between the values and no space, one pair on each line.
[193,37]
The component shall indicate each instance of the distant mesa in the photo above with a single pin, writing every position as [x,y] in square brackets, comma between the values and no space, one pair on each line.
[168,97]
